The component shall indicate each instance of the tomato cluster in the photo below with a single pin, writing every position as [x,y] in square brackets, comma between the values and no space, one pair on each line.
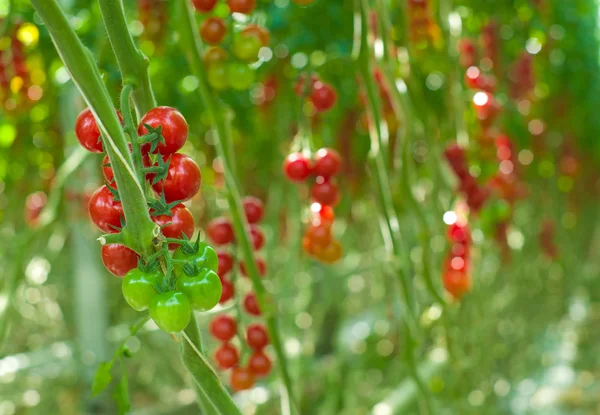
[227,62]
[422,27]
[455,277]
[475,194]
[153,15]
[15,80]
[321,95]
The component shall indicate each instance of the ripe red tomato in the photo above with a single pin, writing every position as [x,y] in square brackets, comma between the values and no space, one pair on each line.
[257,336]
[241,379]
[183,179]
[227,290]
[458,233]
[257,237]
[328,162]
[457,283]
[297,167]
[241,6]
[319,234]
[220,231]
[174,128]
[227,356]
[105,212]
[259,364]
[260,263]
[223,327]
[204,6]
[322,214]
[325,192]
[213,30]
[323,96]
[225,263]
[180,222]
[118,259]
[253,208]
[251,305]
[87,131]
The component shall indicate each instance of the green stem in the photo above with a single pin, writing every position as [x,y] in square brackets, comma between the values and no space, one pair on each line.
[191,45]
[131,131]
[132,62]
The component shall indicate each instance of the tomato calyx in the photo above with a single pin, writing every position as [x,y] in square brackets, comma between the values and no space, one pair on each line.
[114,192]
[160,207]
[158,172]
[154,137]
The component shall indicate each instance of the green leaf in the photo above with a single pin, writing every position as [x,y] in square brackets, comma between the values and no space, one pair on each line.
[102,377]
[121,393]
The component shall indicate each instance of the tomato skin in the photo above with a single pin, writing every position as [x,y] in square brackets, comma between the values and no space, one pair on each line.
[227,291]
[331,253]
[171,311]
[174,128]
[214,54]
[216,75]
[204,257]
[241,6]
[328,162]
[220,231]
[87,131]
[253,208]
[323,96]
[296,167]
[257,336]
[204,6]
[325,192]
[259,31]
[182,221]
[203,289]
[257,237]
[319,235]
[212,30]
[139,288]
[104,211]
[241,379]
[259,364]
[118,259]
[239,75]
[225,263]
[183,179]
[261,265]
[246,46]
[227,356]
[457,283]
[251,305]
[223,327]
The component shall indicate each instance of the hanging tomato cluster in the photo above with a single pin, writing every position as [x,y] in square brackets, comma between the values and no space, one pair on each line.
[475,194]
[422,27]
[456,278]
[243,45]
[153,15]
[320,94]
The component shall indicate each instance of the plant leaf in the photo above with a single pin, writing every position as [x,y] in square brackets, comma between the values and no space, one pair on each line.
[102,378]
[121,393]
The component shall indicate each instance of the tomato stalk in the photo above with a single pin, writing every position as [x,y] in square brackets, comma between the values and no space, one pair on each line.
[139,232]
[192,45]
[131,131]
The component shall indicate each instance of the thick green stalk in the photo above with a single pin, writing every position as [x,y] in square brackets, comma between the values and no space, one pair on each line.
[191,44]
[139,231]
[132,62]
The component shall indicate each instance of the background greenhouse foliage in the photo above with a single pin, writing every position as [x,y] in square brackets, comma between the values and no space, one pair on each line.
[523,341]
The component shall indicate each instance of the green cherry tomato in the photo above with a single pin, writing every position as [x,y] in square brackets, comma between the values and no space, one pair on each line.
[171,311]
[204,257]
[139,288]
[203,290]
[240,75]
[246,47]
[217,75]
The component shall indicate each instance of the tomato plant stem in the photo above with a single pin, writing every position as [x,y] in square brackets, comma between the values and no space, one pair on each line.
[131,131]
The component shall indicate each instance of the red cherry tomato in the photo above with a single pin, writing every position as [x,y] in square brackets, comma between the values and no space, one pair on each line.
[257,336]
[253,208]
[174,128]
[328,162]
[323,96]
[259,364]
[251,305]
[204,6]
[183,179]
[220,231]
[241,379]
[260,263]
[457,283]
[319,235]
[257,237]
[213,30]
[118,259]
[227,356]
[181,222]
[105,212]
[87,131]
[241,6]
[225,263]
[227,291]
[296,167]
[223,327]
[325,192]
[458,233]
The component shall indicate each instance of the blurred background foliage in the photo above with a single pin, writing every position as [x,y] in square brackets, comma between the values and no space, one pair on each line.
[524,341]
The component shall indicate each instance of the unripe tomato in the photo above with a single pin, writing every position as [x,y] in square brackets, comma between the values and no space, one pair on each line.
[260,264]
[213,30]
[246,47]
[325,192]
[171,311]
[204,6]
[216,74]
[239,75]
[203,289]
[227,356]
[253,208]
[261,32]
[183,179]
[296,167]
[203,257]
[214,54]
[251,305]
[259,364]
[181,222]
[174,128]
[87,131]
[118,259]
[227,291]
[328,162]
[225,263]
[105,212]
[257,336]
[241,6]
[220,231]
[319,235]
[140,287]
[241,379]
[331,253]
[257,237]
[323,96]
[223,327]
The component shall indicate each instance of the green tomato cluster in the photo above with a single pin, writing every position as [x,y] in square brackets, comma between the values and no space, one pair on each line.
[170,304]
[223,74]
